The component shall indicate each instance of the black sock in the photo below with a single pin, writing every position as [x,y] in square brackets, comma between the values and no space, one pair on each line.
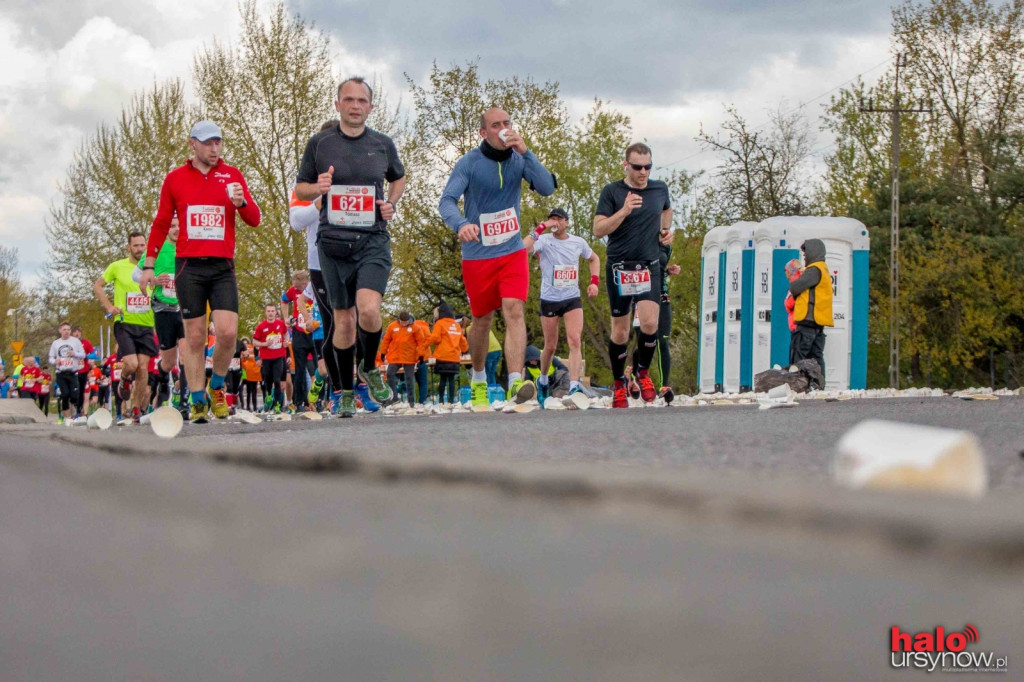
[369,343]
[645,347]
[346,365]
[617,354]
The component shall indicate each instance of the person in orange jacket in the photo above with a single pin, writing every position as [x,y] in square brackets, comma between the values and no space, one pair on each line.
[399,349]
[450,343]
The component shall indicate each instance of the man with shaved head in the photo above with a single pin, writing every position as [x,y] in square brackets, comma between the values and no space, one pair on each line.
[494,259]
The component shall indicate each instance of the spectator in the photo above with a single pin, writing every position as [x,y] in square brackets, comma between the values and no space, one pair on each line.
[450,343]
[400,348]
[812,311]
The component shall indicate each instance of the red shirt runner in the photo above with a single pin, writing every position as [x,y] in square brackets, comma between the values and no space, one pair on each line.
[276,335]
[205,213]
[31,379]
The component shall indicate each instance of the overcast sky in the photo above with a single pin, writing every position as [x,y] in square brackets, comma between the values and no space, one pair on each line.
[69,65]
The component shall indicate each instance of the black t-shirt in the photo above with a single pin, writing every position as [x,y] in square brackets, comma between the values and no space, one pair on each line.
[637,237]
[368,159]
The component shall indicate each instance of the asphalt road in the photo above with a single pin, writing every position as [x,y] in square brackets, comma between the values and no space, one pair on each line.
[678,544]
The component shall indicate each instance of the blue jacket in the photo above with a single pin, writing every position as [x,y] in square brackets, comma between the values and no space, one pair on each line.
[490,186]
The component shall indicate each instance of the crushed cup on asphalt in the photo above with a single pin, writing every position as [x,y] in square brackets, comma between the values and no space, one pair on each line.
[893,455]
[165,421]
[100,419]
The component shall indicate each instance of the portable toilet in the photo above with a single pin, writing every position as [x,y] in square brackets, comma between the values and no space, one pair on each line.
[712,318]
[765,270]
[846,255]
[738,282]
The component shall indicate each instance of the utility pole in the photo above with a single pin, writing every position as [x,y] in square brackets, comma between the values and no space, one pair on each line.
[894,239]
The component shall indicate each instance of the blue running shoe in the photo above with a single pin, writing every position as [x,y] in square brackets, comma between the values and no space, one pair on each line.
[363,393]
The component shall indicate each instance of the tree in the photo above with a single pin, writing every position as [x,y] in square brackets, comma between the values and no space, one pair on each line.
[269,94]
[12,297]
[111,189]
[762,172]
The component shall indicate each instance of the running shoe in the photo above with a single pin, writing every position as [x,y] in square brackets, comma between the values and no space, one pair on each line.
[124,389]
[345,404]
[647,391]
[60,419]
[363,394]
[277,409]
[542,393]
[478,390]
[183,409]
[136,415]
[379,389]
[619,398]
[200,413]
[667,395]
[219,402]
[521,390]
[314,391]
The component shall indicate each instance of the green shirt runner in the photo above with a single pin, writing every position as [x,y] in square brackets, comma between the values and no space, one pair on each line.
[134,305]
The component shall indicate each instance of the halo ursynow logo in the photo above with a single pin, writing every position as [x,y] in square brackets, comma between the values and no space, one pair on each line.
[942,650]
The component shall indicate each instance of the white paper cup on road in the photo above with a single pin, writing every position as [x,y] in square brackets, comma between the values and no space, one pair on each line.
[165,421]
[780,391]
[893,455]
[100,419]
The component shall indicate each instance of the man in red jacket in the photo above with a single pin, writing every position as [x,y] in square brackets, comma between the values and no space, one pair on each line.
[206,194]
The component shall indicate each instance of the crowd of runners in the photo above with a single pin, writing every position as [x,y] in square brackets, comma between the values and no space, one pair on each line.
[175,295]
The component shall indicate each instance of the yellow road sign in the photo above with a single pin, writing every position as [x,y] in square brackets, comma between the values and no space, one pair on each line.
[17,346]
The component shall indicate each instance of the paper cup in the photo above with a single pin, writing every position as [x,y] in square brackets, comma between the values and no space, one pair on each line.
[165,421]
[100,419]
[230,187]
[882,454]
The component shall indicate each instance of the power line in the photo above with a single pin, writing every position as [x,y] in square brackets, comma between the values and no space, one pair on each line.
[801,106]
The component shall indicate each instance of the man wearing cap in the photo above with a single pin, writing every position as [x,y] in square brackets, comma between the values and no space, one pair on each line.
[635,213]
[348,164]
[206,194]
[559,254]
[495,268]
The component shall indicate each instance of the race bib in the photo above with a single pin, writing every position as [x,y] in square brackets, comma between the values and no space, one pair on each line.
[92,381]
[497,228]
[117,375]
[29,383]
[236,363]
[65,363]
[566,277]
[352,205]
[633,282]
[44,389]
[206,222]
[273,341]
[209,362]
[136,303]
[169,290]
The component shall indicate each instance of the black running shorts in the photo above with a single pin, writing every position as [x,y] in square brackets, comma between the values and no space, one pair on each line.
[622,305]
[169,328]
[350,261]
[560,308]
[134,339]
[205,281]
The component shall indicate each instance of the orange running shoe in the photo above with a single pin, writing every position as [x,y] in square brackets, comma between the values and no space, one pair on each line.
[647,391]
[218,402]
[619,398]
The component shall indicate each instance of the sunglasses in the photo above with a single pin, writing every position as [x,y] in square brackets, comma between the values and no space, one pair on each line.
[641,166]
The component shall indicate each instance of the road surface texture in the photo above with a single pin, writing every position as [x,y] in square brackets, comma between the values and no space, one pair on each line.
[676,544]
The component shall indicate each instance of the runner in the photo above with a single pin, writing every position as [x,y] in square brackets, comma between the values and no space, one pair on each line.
[559,254]
[664,355]
[350,163]
[636,215]
[170,330]
[31,379]
[270,337]
[44,393]
[83,376]
[66,354]
[133,325]
[209,193]
[494,261]
[302,338]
